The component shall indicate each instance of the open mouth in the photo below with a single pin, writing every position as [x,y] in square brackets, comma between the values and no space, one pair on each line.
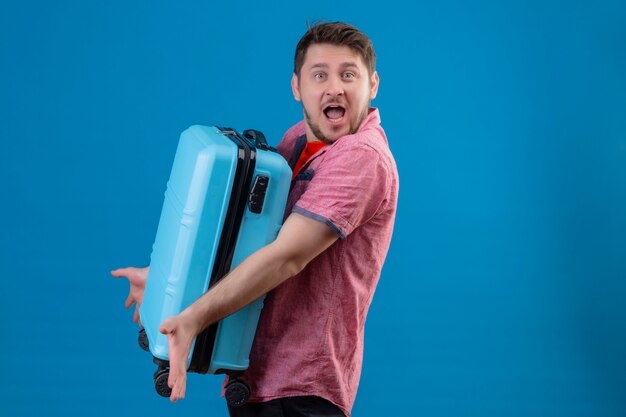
[335,112]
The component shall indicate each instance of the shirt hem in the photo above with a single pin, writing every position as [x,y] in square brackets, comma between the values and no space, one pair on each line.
[265,398]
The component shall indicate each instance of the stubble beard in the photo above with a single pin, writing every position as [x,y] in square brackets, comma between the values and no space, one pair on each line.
[318,132]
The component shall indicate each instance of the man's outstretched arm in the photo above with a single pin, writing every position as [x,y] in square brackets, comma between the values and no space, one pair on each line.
[300,240]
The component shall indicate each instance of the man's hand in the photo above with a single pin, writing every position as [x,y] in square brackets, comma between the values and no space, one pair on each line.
[180,331]
[137,278]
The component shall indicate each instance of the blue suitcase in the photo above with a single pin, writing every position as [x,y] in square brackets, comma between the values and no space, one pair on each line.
[225,199]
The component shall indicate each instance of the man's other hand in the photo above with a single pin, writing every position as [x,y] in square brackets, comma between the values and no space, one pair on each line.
[137,278]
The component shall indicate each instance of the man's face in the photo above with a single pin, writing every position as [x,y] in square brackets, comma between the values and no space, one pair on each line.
[335,90]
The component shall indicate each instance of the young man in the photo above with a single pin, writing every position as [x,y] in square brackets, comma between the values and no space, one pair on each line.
[322,269]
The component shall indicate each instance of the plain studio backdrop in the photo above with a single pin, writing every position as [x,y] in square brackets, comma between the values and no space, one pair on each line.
[504,289]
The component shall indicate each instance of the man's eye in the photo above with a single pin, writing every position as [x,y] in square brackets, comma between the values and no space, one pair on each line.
[319,76]
[348,75]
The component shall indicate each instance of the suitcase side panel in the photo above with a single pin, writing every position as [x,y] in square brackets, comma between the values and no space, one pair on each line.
[189,228]
[235,333]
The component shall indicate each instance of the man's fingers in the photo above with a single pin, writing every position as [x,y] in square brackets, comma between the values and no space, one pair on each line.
[182,385]
[171,382]
[136,315]
[180,394]
[178,386]
[121,272]
[166,327]
[129,301]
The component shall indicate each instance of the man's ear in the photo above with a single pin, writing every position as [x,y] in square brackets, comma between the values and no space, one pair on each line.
[374,85]
[294,87]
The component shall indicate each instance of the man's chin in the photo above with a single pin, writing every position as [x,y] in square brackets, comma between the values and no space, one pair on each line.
[335,133]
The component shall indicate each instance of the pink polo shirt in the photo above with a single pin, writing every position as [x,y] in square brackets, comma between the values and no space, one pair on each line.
[310,335]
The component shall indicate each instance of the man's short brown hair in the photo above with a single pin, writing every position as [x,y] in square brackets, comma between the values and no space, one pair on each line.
[336,33]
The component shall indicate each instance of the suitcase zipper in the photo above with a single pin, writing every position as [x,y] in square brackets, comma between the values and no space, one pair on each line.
[244,171]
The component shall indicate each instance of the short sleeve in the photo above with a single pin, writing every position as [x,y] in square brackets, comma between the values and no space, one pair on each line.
[348,187]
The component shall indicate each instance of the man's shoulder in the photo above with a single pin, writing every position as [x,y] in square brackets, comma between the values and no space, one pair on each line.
[293,133]
[373,137]
[370,134]
[370,140]
[286,145]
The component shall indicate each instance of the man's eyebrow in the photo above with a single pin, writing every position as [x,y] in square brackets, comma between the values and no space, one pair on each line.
[349,65]
[342,66]
[320,65]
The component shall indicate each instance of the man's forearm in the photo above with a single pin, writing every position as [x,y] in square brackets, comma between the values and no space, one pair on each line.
[300,240]
[258,274]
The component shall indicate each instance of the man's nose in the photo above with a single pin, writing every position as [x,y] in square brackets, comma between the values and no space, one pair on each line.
[334,87]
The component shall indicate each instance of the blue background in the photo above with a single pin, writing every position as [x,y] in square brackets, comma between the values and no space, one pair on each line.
[505,287]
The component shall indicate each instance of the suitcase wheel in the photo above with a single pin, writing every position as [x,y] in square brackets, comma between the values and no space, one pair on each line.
[237,393]
[160,383]
[143,340]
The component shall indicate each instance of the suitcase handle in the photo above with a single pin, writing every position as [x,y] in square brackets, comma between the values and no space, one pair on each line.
[258,137]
